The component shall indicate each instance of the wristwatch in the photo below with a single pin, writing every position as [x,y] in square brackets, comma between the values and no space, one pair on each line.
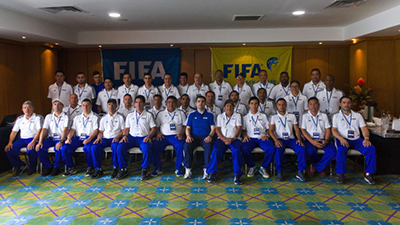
[62,141]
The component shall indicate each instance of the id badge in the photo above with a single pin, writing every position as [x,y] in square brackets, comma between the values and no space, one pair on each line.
[285,135]
[256,131]
[172,126]
[147,106]
[220,97]
[56,137]
[316,135]
[350,134]
[83,136]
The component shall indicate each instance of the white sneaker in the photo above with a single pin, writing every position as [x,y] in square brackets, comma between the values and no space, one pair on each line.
[205,176]
[252,172]
[188,173]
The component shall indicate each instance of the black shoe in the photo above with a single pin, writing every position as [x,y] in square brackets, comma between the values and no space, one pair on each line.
[279,177]
[89,172]
[70,171]
[369,179]
[211,178]
[47,171]
[55,171]
[122,173]
[301,177]
[237,180]
[145,174]
[19,170]
[340,179]
[114,173]
[98,173]
[30,172]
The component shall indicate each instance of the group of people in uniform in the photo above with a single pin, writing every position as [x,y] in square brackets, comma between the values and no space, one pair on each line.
[216,117]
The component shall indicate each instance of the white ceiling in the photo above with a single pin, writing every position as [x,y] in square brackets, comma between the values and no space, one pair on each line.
[167,16]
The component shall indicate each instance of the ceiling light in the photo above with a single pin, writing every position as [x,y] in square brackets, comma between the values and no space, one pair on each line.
[114,15]
[298,13]
[172,45]
[354,41]
[320,43]
[244,43]
[23,37]
[99,46]
[56,43]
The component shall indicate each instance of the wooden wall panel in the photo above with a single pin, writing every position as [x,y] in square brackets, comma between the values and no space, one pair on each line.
[316,58]
[339,67]
[16,82]
[48,65]
[94,64]
[397,79]
[187,61]
[77,61]
[299,65]
[202,64]
[34,92]
[4,97]
[358,62]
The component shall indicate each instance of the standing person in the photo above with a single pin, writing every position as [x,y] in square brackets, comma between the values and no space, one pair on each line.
[185,107]
[255,134]
[60,89]
[221,89]
[83,90]
[263,83]
[110,132]
[211,107]
[239,107]
[317,131]
[346,130]
[197,89]
[311,88]
[106,94]
[171,131]
[126,88]
[282,89]
[29,125]
[283,129]
[82,133]
[183,85]
[200,129]
[168,89]
[244,90]
[148,91]
[128,107]
[329,98]
[138,132]
[55,126]
[73,109]
[229,126]
[98,86]
[296,102]
[265,105]
[157,101]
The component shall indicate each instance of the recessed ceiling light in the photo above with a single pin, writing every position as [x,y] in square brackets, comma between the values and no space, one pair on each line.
[99,46]
[114,15]
[23,37]
[56,43]
[298,13]
[244,43]
[172,45]
[320,43]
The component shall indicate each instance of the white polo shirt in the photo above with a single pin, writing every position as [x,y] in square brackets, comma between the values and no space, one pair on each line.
[284,125]
[155,111]
[311,90]
[329,100]
[215,110]
[55,125]
[72,113]
[84,126]
[267,86]
[30,127]
[124,111]
[279,92]
[183,89]
[315,125]
[194,91]
[86,92]
[61,93]
[348,126]
[296,105]
[188,110]
[112,125]
[267,108]
[171,123]
[104,96]
[165,93]
[139,125]
[256,125]
[229,125]
[123,90]
[245,93]
[148,95]
[221,92]
[241,109]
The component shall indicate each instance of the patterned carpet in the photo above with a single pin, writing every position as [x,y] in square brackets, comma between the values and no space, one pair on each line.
[170,200]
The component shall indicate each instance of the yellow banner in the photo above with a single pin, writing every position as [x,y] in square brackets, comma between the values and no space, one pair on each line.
[250,61]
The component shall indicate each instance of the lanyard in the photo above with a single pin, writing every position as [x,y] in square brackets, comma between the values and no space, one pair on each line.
[346,118]
[265,106]
[255,122]
[145,93]
[83,120]
[138,118]
[57,123]
[167,93]
[220,88]
[329,98]
[315,90]
[172,117]
[315,122]
[59,92]
[107,93]
[70,113]
[228,119]
[295,102]
[237,107]
[284,89]
[264,85]
[80,93]
[239,90]
[127,90]
[284,124]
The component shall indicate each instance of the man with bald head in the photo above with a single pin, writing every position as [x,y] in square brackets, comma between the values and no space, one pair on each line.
[197,89]
[263,83]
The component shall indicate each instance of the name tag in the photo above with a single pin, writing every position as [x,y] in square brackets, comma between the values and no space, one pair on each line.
[220,97]
[172,126]
[350,134]
[256,131]
[147,106]
[316,135]
[56,137]
[285,135]
[83,136]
